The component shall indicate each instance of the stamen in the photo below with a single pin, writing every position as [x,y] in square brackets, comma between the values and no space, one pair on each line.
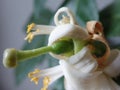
[29,27]
[50,75]
[45,83]
[35,80]
[34,30]
[33,76]
[29,37]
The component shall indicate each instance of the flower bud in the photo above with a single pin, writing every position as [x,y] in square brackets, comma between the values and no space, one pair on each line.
[10,58]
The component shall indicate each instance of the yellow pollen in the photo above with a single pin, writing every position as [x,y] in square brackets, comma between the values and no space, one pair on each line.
[33,76]
[46,81]
[35,80]
[31,34]
[29,27]
[29,37]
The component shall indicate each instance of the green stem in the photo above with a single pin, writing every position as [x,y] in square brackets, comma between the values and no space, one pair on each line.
[12,56]
[22,55]
[79,44]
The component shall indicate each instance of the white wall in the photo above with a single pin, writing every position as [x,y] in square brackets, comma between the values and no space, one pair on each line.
[13,16]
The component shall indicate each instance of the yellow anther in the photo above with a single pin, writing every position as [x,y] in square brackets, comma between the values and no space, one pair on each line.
[43,89]
[29,27]
[29,37]
[32,74]
[46,81]
[37,71]
[35,80]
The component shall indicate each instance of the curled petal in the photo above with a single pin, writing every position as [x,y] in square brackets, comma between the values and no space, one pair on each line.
[95,29]
[67,31]
[68,12]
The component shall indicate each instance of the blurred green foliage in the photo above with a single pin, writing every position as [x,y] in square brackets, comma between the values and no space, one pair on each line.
[84,11]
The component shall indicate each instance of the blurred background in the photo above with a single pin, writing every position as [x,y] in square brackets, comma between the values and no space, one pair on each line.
[14,14]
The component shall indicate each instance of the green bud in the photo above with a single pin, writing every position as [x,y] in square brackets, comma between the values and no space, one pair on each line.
[10,58]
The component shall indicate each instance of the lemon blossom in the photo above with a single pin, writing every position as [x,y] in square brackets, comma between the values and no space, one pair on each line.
[81,70]
[85,59]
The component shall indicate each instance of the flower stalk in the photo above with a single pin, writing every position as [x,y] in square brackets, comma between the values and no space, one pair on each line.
[12,56]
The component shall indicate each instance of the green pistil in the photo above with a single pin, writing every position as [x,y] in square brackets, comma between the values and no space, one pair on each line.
[79,44]
[12,56]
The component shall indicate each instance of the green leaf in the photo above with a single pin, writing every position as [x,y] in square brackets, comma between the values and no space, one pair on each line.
[58,85]
[115,20]
[106,22]
[86,10]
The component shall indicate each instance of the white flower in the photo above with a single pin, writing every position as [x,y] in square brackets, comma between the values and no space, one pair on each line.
[82,71]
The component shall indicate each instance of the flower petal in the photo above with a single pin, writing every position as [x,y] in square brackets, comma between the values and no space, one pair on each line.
[68,12]
[84,60]
[67,31]
[74,78]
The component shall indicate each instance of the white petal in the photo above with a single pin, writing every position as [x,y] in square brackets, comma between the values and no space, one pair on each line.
[114,68]
[84,60]
[78,57]
[75,78]
[68,12]
[67,31]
